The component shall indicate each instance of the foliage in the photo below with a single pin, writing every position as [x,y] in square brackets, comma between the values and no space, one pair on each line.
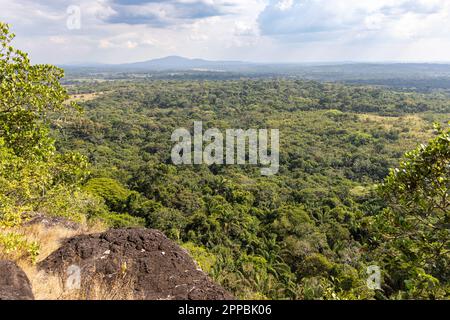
[14,245]
[110,190]
[415,229]
[34,177]
[204,259]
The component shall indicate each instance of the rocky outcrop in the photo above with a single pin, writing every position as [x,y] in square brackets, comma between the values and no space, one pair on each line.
[150,265]
[33,218]
[14,283]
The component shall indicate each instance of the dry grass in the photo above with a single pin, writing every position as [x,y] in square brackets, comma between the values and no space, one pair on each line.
[411,121]
[418,129]
[83,97]
[99,288]
[45,287]
[52,287]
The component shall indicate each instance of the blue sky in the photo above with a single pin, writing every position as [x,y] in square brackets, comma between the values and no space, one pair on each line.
[115,31]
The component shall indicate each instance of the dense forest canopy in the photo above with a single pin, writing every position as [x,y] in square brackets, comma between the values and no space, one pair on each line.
[310,232]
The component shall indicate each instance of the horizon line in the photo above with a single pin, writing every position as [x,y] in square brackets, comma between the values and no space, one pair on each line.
[315,62]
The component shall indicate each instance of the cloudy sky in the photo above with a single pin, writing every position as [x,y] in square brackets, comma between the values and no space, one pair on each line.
[115,31]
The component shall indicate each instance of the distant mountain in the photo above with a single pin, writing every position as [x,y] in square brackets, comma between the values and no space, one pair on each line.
[181,63]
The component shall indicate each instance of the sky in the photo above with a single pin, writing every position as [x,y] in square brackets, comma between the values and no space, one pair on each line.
[119,31]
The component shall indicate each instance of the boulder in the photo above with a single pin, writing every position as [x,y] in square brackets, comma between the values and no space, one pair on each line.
[34,218]
[142,261]
[14,283]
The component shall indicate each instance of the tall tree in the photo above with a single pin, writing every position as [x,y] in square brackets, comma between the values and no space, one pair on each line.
[27,93]
[415,228]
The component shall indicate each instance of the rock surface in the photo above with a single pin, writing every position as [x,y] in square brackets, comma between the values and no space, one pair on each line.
[14,283]
[155,267]
[33,218]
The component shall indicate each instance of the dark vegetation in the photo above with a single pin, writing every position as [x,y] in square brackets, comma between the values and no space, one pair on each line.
[308,232]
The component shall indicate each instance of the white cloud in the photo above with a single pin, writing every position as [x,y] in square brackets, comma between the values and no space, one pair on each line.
[58,40]
[114,31]
[245,28]
[105,44]
[374,21]
[317,20]
[284,5]
[131,44]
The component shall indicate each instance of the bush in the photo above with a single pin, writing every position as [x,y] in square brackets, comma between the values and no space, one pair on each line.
[114,194]
[315,265]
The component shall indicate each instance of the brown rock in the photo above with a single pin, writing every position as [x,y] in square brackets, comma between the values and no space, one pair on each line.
[153,266]
[14,283]
[33,218]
